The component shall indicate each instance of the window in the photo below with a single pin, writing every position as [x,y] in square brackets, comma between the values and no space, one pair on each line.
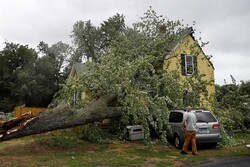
[205,117]
[176,117]
[188,64]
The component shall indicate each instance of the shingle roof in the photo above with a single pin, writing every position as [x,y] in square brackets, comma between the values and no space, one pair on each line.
[77,67]
[181,36]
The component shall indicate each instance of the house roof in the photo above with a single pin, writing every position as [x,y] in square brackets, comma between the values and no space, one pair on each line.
[76,69]
[181,36]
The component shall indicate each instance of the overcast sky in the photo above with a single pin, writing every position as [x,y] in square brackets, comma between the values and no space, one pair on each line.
[224,23]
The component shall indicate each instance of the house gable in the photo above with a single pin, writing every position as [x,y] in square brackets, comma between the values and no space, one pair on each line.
[187,46]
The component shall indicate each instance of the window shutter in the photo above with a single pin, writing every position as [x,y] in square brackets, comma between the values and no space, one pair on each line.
[183,64]
[195,64]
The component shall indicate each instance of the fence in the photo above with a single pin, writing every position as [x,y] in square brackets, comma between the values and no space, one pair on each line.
[21,110]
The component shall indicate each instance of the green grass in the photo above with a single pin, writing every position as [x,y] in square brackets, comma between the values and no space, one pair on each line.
[99,158]
[55,152]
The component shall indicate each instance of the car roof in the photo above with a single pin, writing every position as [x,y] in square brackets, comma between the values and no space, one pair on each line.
[194,110]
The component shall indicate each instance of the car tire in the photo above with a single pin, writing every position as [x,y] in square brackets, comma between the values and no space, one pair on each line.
[177,142]
[212,145]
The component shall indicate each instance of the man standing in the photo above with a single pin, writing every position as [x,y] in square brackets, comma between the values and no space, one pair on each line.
[189,125]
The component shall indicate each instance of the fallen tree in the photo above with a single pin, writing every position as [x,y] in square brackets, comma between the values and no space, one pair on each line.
[60,118]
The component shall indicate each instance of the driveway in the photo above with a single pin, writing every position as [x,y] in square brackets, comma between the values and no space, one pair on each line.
[237,162]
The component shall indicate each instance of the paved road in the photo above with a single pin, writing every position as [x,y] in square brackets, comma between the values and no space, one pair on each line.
[238,162]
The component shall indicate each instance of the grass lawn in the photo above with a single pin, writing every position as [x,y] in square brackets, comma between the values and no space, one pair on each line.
[40,151]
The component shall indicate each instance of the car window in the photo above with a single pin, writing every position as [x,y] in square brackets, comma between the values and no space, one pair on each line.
[205,117]
[175,117]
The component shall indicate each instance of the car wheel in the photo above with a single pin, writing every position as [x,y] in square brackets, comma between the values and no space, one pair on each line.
[177,142]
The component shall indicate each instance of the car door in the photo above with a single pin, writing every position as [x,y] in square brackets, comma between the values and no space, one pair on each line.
[175,121]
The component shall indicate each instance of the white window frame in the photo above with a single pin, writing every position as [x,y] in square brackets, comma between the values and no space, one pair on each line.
[189,64]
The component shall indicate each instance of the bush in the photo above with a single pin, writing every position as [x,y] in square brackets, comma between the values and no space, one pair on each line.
[93,133]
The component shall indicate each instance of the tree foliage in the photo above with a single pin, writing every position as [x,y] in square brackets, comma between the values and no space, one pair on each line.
[91,41]
[16,63]
[58,54]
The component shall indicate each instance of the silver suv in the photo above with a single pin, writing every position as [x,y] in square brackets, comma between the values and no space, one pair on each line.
[207,127]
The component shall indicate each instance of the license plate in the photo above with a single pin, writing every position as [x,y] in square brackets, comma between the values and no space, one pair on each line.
[203,130]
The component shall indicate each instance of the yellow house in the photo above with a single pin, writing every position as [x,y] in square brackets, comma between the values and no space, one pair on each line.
[188,59]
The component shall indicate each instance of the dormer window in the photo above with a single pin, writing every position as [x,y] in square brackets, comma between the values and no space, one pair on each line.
[188,63]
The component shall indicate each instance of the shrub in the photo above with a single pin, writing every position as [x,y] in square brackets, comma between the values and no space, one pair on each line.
[93,133]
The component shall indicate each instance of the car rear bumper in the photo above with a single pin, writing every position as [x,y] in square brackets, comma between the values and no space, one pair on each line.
[208,138]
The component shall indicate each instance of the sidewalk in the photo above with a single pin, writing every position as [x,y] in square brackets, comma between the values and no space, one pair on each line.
[237,162]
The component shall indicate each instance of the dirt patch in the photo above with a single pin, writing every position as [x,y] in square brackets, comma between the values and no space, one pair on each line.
[21,152]
[178,163]
[122,147]
[24,147]
[29,147]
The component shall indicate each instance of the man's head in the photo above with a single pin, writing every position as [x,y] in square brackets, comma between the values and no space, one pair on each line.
[188,108]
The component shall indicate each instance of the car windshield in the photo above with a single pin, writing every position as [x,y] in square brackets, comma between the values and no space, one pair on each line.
[205,117]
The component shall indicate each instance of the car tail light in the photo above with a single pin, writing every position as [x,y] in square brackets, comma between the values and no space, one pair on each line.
[216,126]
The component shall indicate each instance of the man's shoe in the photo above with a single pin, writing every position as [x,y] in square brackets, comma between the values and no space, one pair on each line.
[194,153]
[183,152]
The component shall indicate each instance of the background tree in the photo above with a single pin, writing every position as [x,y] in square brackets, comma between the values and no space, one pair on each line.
[90,41]
[27,79]
[58,54]
[233,104]
[16,60]
[52,68]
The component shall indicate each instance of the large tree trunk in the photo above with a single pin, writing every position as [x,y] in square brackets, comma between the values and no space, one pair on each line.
[64,117]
